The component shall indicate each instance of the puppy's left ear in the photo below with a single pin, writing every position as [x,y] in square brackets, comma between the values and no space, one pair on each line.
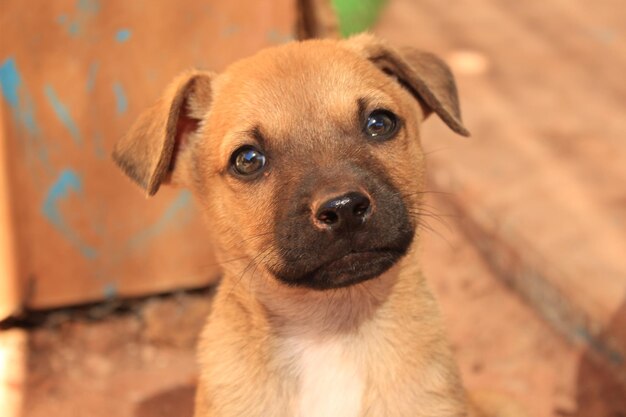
[424,75]
[152,151]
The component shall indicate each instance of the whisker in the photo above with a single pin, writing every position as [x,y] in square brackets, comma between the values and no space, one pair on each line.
[252,262]
[428,228]
[436,151]
[421,214]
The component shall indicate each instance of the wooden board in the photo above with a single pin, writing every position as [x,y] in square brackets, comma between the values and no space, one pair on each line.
[74,76]
[540,186]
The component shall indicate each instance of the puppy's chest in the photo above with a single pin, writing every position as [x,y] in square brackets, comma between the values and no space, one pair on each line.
[330,376]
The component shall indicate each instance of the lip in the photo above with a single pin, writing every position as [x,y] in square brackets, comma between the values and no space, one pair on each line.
[353,257]
[351,268]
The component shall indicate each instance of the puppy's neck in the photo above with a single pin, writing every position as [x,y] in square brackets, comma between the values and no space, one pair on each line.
[291,310]
[341,310]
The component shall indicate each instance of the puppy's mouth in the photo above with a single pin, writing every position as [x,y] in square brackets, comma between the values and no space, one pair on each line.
[349,269]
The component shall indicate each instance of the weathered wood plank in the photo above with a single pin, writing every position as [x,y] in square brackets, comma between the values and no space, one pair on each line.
[540,186]
[74,77]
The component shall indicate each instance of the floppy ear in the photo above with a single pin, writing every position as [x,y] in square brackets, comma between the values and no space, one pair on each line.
[424,75]
[148,152]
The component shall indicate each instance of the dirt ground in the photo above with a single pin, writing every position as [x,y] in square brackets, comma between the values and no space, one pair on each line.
[141,362]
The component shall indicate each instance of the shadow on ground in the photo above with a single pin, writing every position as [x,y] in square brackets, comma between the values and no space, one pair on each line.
[600,394]
[177,402]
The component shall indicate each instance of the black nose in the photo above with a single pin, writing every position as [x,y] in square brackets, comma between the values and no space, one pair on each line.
[349,211]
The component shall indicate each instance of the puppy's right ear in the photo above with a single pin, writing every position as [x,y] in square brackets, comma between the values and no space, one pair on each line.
[148,152]
[423,75]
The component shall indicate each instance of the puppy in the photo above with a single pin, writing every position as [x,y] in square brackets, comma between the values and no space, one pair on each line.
[306,160]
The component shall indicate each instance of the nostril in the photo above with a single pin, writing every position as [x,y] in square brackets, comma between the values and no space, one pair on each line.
[361,208]
[328,217]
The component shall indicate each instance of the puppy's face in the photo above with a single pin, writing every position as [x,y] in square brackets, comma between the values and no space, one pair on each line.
[305,158]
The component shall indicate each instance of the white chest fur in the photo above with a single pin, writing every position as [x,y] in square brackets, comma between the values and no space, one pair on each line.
[330,381]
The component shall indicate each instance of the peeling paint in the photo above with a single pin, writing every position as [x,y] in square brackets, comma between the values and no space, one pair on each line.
[110,290]
[123,35]
[230,30]
[98,146]
[91,75]
[10,81]
[62,113]
[276,37]
[121,103]
[13,92]
[85,10]
[23,111]
[88,6]
[177,207]
[68,182]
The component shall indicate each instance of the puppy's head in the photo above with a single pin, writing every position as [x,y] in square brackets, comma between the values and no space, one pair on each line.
[305,158]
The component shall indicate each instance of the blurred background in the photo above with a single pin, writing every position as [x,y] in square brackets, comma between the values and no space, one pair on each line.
[103,291]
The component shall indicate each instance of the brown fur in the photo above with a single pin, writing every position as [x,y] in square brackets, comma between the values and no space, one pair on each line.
[302,98]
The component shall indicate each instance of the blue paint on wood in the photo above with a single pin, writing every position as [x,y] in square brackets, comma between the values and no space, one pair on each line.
[13,92]
[123,35]
[98,146]
[10,81]
[276,37]
[85,10]
[121,103]
[23,110]
[68,182]
[171,213]
[91,75]
[110,290]
[73,29]
[27,113]
[62,113]
[88,6]
[230,30]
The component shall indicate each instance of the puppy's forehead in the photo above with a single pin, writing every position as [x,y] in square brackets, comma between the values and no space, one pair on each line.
[299,84]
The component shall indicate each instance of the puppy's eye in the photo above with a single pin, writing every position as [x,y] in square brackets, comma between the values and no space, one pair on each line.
[247,160]
[381,124]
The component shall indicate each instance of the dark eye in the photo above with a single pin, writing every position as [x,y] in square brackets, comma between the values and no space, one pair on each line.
[381,124]
[247,160]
